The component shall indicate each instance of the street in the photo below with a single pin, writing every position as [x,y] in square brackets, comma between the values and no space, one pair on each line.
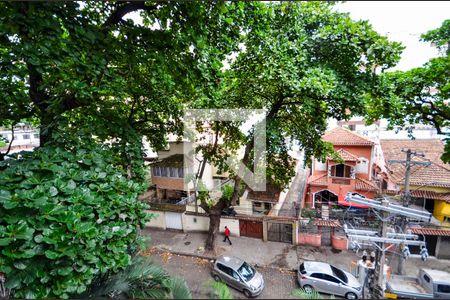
[279,283]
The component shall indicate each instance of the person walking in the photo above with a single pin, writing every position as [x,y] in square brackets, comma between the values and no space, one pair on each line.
[227,235]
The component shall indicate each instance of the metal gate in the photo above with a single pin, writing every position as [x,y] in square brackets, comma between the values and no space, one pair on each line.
[279,232]
[251,228]
[174,221]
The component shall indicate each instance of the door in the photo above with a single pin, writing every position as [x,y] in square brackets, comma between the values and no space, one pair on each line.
[229,276]
[319,284]
[334,285]
[174,221]
[251,228]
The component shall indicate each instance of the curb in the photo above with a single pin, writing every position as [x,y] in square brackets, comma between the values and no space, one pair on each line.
[212,258]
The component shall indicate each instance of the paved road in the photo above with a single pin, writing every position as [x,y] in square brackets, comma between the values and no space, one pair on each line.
[279,284]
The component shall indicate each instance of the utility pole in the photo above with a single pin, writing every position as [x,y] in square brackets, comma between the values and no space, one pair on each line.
[406,198]
[380,238]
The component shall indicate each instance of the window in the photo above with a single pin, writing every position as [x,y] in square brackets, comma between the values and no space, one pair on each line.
[163,171]
[180,172]
[302,269]
[173,172]
[443,288]
[330,278]
[352,127]
[156,171]
[317,275]
[36,135]
[26,136]
[246,272]
[427,279]
[339,274]
[340,171]
[225,269]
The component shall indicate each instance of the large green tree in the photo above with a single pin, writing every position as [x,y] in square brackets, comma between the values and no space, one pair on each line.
[420,95]
[303,63]
[90,58]
[86,66]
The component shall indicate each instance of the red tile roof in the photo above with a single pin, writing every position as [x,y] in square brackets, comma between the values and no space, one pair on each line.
[345,155]
[343,137]
[320,180]
[327,223]
[430,231]
[430,195]
[435,175]
[432,148]
[365,185]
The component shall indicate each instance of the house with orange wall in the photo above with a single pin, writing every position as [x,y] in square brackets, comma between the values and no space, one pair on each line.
[357,172]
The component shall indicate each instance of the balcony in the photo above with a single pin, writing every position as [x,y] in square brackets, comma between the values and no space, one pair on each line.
[342,181]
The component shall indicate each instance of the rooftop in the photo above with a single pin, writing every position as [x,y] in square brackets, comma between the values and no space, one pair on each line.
[343,137]
[435,175]
[345,155]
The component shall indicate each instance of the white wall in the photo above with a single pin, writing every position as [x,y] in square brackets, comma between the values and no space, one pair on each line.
[245,206]
[158,220]
[363,166]
[201,223]
[19,140]
[319,166]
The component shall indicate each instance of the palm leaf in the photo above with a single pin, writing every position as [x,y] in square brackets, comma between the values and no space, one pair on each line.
[221,290]
[179,288]
[302,294]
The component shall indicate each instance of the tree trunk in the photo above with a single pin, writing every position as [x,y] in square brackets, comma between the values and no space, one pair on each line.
[237,180]
[214,223]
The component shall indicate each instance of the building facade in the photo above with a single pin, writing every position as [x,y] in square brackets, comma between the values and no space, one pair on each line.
[356,172]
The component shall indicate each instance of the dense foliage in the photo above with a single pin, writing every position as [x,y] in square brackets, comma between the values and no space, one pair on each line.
[67,215]
[143,279]
[91,57]
[420,95]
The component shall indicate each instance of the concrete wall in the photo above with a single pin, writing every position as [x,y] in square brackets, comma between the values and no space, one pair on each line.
[443,247]
[245,206]
[201,223]
[158,220]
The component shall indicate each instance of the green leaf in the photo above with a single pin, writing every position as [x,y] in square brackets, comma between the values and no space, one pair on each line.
[5,241]
[12,282]
[53,191]
[38,238]
[19,265]
[5,196]
[51,254]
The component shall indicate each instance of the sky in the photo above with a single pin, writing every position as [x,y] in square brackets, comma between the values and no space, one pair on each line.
[402,21]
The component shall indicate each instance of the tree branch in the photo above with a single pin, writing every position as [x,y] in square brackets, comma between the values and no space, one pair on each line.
[2,156]
[126,8]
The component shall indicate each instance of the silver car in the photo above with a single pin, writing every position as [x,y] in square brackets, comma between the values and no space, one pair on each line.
[238,274]
[325,278]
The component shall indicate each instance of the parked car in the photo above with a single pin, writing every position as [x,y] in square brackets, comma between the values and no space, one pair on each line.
[238,274]
[428,284]
[325,278]
[229,211]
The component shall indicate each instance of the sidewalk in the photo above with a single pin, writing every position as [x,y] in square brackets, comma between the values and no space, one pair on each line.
[273,254]
[254,251]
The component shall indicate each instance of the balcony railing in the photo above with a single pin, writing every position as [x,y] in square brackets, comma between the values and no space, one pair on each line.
[343,181]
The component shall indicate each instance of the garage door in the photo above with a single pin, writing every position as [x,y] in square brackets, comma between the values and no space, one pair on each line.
[251,228]
[173,221]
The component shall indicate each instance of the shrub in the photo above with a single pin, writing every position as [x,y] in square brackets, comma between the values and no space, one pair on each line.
[65,218]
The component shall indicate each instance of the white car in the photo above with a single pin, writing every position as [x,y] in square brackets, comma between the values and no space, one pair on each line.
[325,278]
